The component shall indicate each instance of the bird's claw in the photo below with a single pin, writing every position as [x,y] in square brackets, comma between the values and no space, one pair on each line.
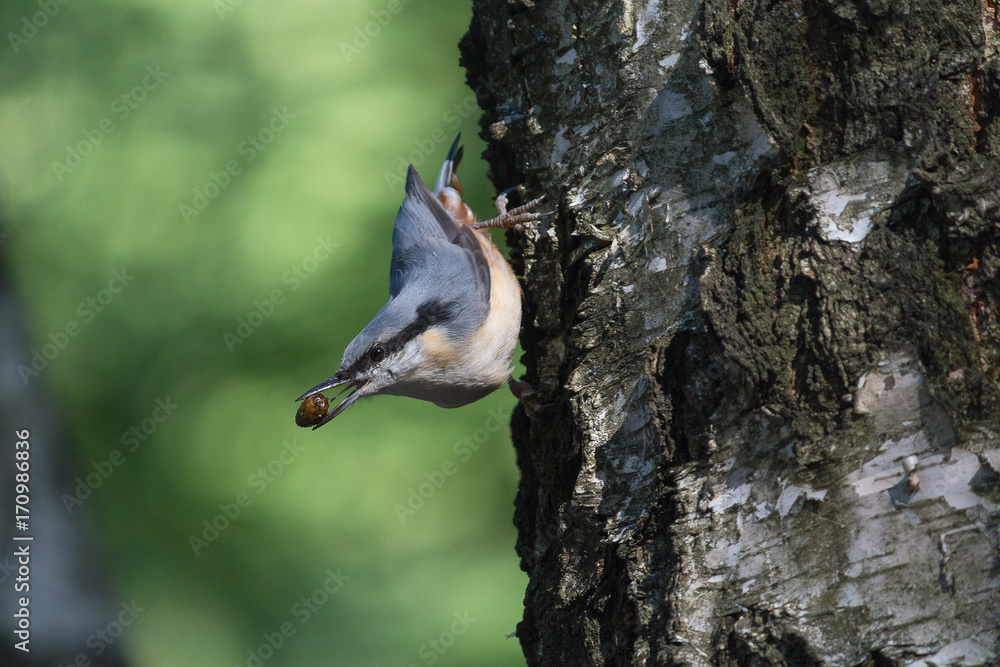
[527,395]
[514,217]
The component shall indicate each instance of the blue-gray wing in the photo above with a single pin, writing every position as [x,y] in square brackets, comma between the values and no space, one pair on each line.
[430,249]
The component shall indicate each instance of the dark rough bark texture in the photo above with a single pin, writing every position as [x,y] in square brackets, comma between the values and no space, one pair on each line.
[773,280]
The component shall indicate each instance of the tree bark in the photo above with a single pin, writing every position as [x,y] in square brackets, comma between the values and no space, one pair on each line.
[766,317]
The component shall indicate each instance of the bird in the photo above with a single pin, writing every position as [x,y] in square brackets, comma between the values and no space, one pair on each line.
[448,332]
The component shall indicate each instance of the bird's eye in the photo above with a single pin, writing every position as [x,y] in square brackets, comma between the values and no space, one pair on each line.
[376,354]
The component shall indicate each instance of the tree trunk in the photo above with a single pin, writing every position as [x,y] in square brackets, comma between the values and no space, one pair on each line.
[57,573]
[766,316]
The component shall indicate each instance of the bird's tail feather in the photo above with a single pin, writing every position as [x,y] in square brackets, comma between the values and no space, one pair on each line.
[450,165]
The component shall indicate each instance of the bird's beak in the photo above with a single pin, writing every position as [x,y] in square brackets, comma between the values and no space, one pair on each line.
[337,380]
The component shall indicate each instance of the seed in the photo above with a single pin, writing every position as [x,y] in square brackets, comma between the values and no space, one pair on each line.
[312,410]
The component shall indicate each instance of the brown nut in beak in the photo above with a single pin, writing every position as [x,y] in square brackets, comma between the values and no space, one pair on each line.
[312,410]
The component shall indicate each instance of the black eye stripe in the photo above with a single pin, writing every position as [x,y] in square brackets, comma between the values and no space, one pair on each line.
[436,312]
[429,314]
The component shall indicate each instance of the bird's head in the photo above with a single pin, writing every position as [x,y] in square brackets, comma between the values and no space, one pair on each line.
[389,352]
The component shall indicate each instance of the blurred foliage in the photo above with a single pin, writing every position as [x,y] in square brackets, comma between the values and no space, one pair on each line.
[113,116]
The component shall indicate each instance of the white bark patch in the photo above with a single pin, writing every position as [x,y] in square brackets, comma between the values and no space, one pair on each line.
[945,475]
[893,386]
[834,226]
[638,199]
[992,459]
[879,555]
[673,106]
[649,17]
[892,395]
[725,158]
[792,496]
[735,491]
[975,650]
[568,58]
[669,61]
[848,195]
[559,146]
[886,470]
[850,597]
[657,264]
[739,490]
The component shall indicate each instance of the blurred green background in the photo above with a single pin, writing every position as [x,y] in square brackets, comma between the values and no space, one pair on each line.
[114,116]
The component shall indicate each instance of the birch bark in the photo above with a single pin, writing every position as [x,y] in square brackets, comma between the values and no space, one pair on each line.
[772,283]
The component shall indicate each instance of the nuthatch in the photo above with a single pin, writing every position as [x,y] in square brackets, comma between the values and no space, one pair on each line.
[447,334]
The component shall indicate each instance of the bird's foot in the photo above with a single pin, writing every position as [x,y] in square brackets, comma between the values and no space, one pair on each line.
[514,217]
[528,397]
